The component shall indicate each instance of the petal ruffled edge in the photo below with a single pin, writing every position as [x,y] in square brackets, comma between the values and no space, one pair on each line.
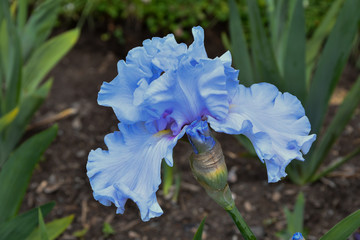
[130,168]
[274,122]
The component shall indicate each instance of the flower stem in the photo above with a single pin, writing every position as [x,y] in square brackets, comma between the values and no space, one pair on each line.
[241,224]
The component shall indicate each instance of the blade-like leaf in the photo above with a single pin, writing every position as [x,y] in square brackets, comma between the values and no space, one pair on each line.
[21,226]
[344,228]
[39,26]
[239,47]
[198,234]
[264,62]
[295,219]
[42,228]
[334,165]
[332,62]
[342,117]
[313,46]
[278,11]
[294,59]
[8,118]
[54,228]
[22,14]
[45,58]
[168,176]
[16,172]
[13,133]
[277,19]
[10,65]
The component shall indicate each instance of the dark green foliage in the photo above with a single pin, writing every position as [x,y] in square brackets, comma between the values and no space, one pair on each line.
[279,53]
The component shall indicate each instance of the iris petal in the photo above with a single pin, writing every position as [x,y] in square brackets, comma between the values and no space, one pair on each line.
[197,48]
[130,168]
[196,89]
[274,122]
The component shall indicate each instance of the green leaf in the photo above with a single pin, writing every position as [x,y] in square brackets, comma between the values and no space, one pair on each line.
[15,174]
[344,228]
[332,62]
[8,118]
[295,219]
[81,233]
[198,234]
[54,228]
[13,133]
[245,142]
[168,176]
[22,14]
[294,57]
[39,26]
[277,11]
[46,57]
[42,233]
[10,65]
[322,31]
[264,61]
[107,229]
[334,165]
[336,127]
[22,225]
[239,47]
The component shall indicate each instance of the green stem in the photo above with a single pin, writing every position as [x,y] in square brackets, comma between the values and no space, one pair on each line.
[241,224]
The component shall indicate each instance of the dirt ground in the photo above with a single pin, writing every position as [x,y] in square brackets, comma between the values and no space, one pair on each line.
[62,175]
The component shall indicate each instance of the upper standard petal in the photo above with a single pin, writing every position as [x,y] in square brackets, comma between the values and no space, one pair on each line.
[274,122]
[195,90]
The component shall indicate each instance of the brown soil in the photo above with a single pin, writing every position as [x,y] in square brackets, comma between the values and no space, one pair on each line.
[62,176]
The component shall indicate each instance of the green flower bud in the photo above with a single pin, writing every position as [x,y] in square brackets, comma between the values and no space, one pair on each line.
[210,171]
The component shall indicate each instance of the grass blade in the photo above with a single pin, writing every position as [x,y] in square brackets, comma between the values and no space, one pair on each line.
[54,228]
[321,32]
[295,219]
[22,14]
[21,226]
[46,57]
[332,62]
[168,176]
[198,234]
[334,165]
[239,47]
[16,173]
[42,233]
[334,130]
[10,137]
[294,59]
[8,118]
[39,26]
[264,61]
[344,228]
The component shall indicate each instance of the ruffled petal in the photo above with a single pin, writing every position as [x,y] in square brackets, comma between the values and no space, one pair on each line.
[231,75]
[197,49]
[121,94]
[130,168]
[195,90]
[275,123]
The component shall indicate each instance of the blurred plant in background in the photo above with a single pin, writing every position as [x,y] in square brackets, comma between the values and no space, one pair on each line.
[159,16]
[26,57]
[310,69]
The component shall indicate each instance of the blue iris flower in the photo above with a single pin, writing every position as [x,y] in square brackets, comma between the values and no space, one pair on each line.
[160,90]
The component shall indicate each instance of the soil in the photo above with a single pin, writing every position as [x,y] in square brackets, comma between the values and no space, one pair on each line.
[61,177]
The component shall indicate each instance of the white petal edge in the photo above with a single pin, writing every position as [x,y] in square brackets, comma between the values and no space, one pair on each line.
[274,122]
[130,168]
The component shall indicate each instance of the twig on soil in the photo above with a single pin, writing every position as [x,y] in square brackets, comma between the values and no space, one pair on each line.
[53,118]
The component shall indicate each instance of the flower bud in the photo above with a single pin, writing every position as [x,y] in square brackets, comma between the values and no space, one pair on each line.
[208,164]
